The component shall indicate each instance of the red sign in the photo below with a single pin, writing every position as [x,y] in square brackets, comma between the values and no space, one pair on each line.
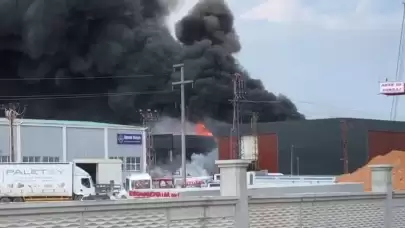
[139,194]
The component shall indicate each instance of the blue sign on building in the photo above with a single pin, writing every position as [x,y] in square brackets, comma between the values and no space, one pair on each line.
[129,139]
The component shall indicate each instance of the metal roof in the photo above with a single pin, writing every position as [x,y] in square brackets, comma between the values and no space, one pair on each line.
[69,123]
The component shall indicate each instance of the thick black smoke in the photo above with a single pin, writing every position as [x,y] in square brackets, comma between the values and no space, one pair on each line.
[124,49]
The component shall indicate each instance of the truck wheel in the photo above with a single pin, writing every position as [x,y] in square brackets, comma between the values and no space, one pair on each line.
[5,200]
[18,200]
[77,197]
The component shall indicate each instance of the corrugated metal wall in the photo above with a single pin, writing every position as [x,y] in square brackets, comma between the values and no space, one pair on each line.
[224,148]
[314,147]
[268,152]
[382,142]
[310,147]
[44,141]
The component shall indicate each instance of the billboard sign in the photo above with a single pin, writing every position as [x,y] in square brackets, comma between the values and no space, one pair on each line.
[129,139]
[392,88]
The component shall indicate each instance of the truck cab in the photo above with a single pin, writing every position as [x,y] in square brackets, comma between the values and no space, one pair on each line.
[83,184]
[138,181]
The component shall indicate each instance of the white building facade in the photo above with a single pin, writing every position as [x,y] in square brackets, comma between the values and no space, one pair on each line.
[48,141]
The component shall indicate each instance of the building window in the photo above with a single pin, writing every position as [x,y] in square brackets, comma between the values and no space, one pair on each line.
[133,163]
[4,159]
[130,163]
[49,159]
[123,161]
[32,159]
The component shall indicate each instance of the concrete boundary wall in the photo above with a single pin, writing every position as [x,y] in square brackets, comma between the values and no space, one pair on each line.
[286,190]
[235,208]
[208,211]
[327,210]
[317,197]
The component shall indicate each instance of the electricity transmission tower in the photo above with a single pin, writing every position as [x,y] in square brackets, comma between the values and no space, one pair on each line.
[12,111]
[238,97]
[149,117]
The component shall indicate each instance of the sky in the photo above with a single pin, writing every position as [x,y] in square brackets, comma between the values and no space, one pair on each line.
[327,56]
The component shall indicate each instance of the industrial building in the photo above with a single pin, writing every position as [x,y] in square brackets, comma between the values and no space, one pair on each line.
[313,147]
[168,146]
[63,141]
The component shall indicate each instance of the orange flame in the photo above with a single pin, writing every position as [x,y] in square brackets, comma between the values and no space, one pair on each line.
[200,129]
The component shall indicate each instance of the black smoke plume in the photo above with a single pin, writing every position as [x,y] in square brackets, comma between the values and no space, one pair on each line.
[59,56]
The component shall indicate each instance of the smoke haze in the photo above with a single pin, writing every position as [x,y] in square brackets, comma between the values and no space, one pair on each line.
[79,49]
[199,165]
[168,125]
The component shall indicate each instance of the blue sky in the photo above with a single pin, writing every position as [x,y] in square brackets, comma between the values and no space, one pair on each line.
[327,56]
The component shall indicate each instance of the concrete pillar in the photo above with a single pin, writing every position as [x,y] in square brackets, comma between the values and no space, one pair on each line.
[234,183]
[381,182]
[381,178]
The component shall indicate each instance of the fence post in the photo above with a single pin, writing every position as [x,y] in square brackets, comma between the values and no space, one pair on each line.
[381,182]
[234,183]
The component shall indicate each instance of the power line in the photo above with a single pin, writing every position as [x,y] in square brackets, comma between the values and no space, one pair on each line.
[96,95]
[75,96]
[78,78]
[394,104]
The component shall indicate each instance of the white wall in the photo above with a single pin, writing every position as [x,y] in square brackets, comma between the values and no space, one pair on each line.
[363,210]
[182,213]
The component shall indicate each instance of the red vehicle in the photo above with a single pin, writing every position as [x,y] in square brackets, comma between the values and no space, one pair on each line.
[143,186]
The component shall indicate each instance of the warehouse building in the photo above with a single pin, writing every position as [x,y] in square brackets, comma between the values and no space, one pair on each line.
[168,146]
[63,141]
[314,147]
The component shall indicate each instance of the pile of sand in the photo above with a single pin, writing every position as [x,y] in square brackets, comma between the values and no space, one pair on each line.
[363,175]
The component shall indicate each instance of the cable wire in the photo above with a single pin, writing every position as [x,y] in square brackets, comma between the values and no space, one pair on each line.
[78,78]
[76,96]
[394,104]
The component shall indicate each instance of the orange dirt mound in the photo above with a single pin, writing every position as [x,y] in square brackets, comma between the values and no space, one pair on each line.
[363,175]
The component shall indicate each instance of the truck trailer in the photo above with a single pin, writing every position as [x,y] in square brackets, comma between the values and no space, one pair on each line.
[106,174]
[20,182]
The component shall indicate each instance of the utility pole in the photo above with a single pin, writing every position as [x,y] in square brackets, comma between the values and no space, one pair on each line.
[182,82]
[149,117]
[254,120]
[12,112]
[238,96]
[344,128]
[292,160]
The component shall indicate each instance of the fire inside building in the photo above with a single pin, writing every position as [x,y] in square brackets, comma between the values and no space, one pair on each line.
[314,147]
[168,146]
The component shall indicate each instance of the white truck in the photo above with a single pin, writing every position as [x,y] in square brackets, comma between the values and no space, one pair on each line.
[106,173]
[20,182]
